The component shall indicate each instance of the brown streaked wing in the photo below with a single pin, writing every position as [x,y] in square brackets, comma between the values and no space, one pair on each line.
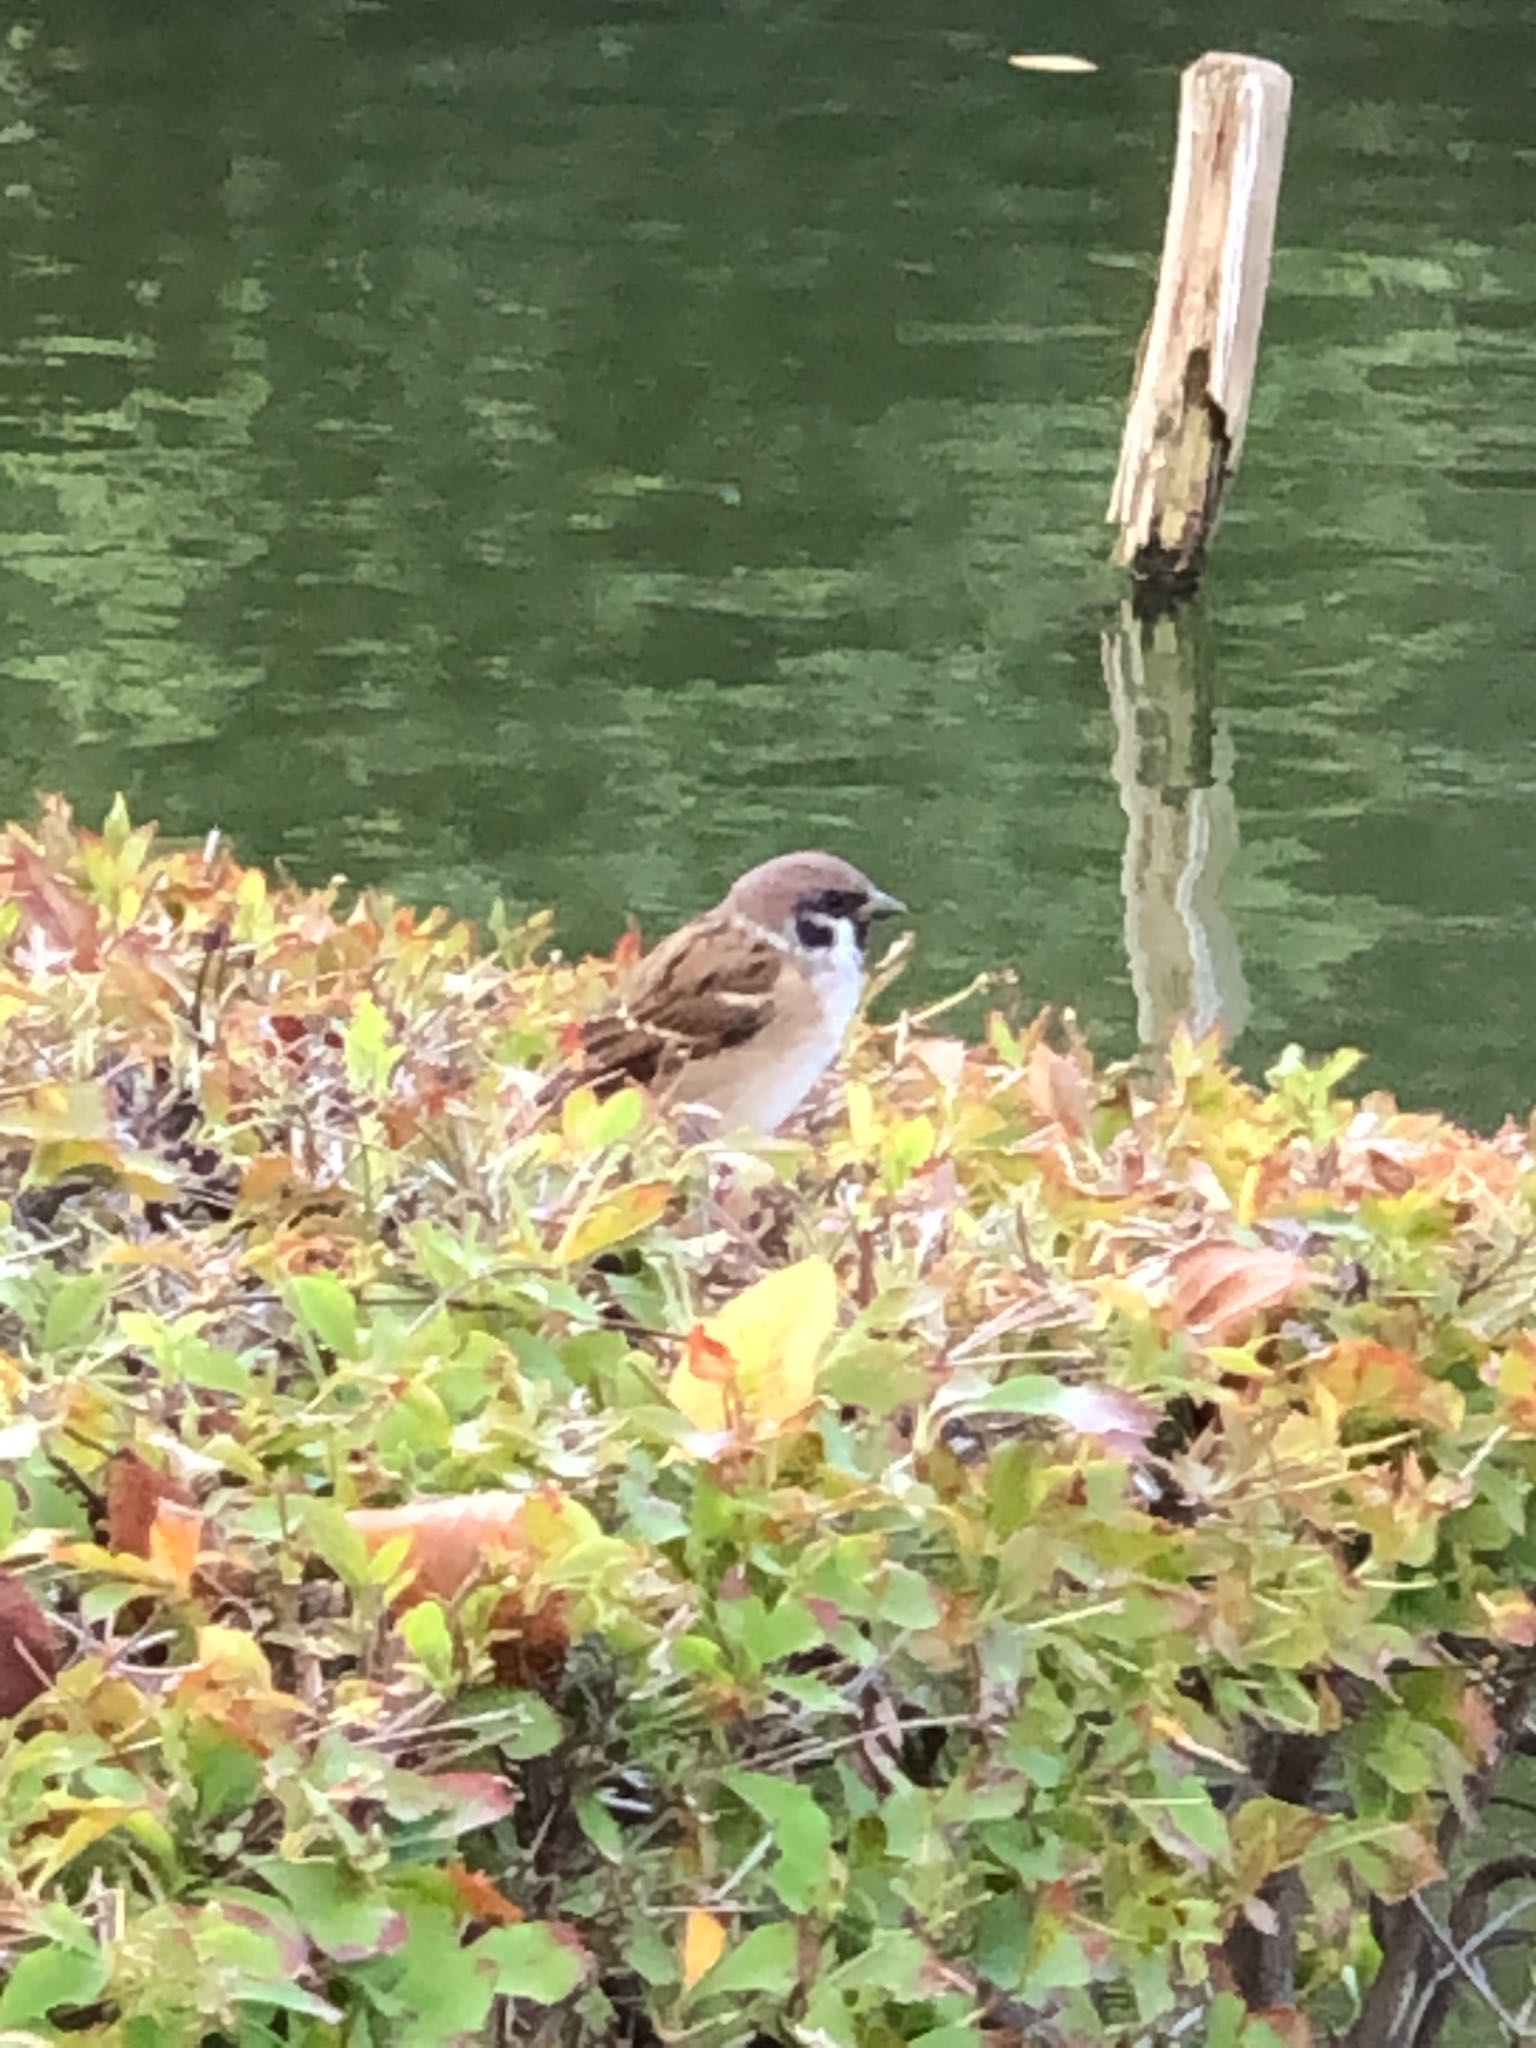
[705,990]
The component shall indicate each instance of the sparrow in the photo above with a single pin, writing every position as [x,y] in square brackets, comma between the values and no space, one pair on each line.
[742,1011]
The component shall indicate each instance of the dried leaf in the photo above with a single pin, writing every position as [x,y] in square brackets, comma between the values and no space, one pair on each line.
[943,1059]
[1058,1089]
[53,908]
[230,1684]
[136,1491]
[1220,1287]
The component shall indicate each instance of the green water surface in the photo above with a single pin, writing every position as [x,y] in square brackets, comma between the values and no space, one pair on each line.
[569,449]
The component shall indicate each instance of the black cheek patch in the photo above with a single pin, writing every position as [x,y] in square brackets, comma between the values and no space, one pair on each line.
[813,932]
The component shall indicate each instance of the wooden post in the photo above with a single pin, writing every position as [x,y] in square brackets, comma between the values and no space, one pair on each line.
[1189,408]
[1173,766]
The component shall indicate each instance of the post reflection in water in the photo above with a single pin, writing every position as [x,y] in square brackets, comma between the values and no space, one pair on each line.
[1173,766]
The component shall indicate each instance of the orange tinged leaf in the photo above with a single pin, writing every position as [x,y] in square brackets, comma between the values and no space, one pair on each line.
[479,1897]
[1220,1288]
[703,1945]
[459,1538]
[772,1336]
[231,1684]
[707,1358]
[1375,1379]
[175,1541]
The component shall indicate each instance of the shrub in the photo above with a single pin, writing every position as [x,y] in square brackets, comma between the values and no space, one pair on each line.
[1039,1559]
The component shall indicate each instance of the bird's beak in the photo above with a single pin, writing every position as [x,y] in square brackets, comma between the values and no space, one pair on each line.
[878,904]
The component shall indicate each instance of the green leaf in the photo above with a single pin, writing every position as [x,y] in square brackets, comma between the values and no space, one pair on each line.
[327,1311]
[369,1048]
[430,1640]
[207,1365]
[767,1960]
[590,1124]
[338,1909]
[764,1634]
[75,1310]
[906,1600]
[600,1827]
[519,1724]
[534,1961]
[43,1978]
[437,1989]
[335,1539]
[801,1873]
[225,1773]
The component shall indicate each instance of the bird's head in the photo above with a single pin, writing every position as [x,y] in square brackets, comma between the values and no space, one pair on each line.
[814,902]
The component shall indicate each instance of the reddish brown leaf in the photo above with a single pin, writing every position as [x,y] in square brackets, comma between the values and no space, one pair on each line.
[1481,1724]
[1058,1090]
[1220,1287]
[470,1799]
[135,1490]
[28,1654]
[1392,1176]
[1289,2022]
[52,906]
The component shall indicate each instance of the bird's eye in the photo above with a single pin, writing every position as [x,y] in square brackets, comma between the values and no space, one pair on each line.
[813,931]
[839,902]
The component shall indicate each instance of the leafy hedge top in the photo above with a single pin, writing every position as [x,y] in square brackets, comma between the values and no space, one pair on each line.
[1029,1562]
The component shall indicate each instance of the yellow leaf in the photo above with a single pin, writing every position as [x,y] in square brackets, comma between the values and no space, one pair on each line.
[703,1945]
[756,1366]
[863,1124]
[58,1111]
[625,1213]
[92,1820]
[231,1656]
